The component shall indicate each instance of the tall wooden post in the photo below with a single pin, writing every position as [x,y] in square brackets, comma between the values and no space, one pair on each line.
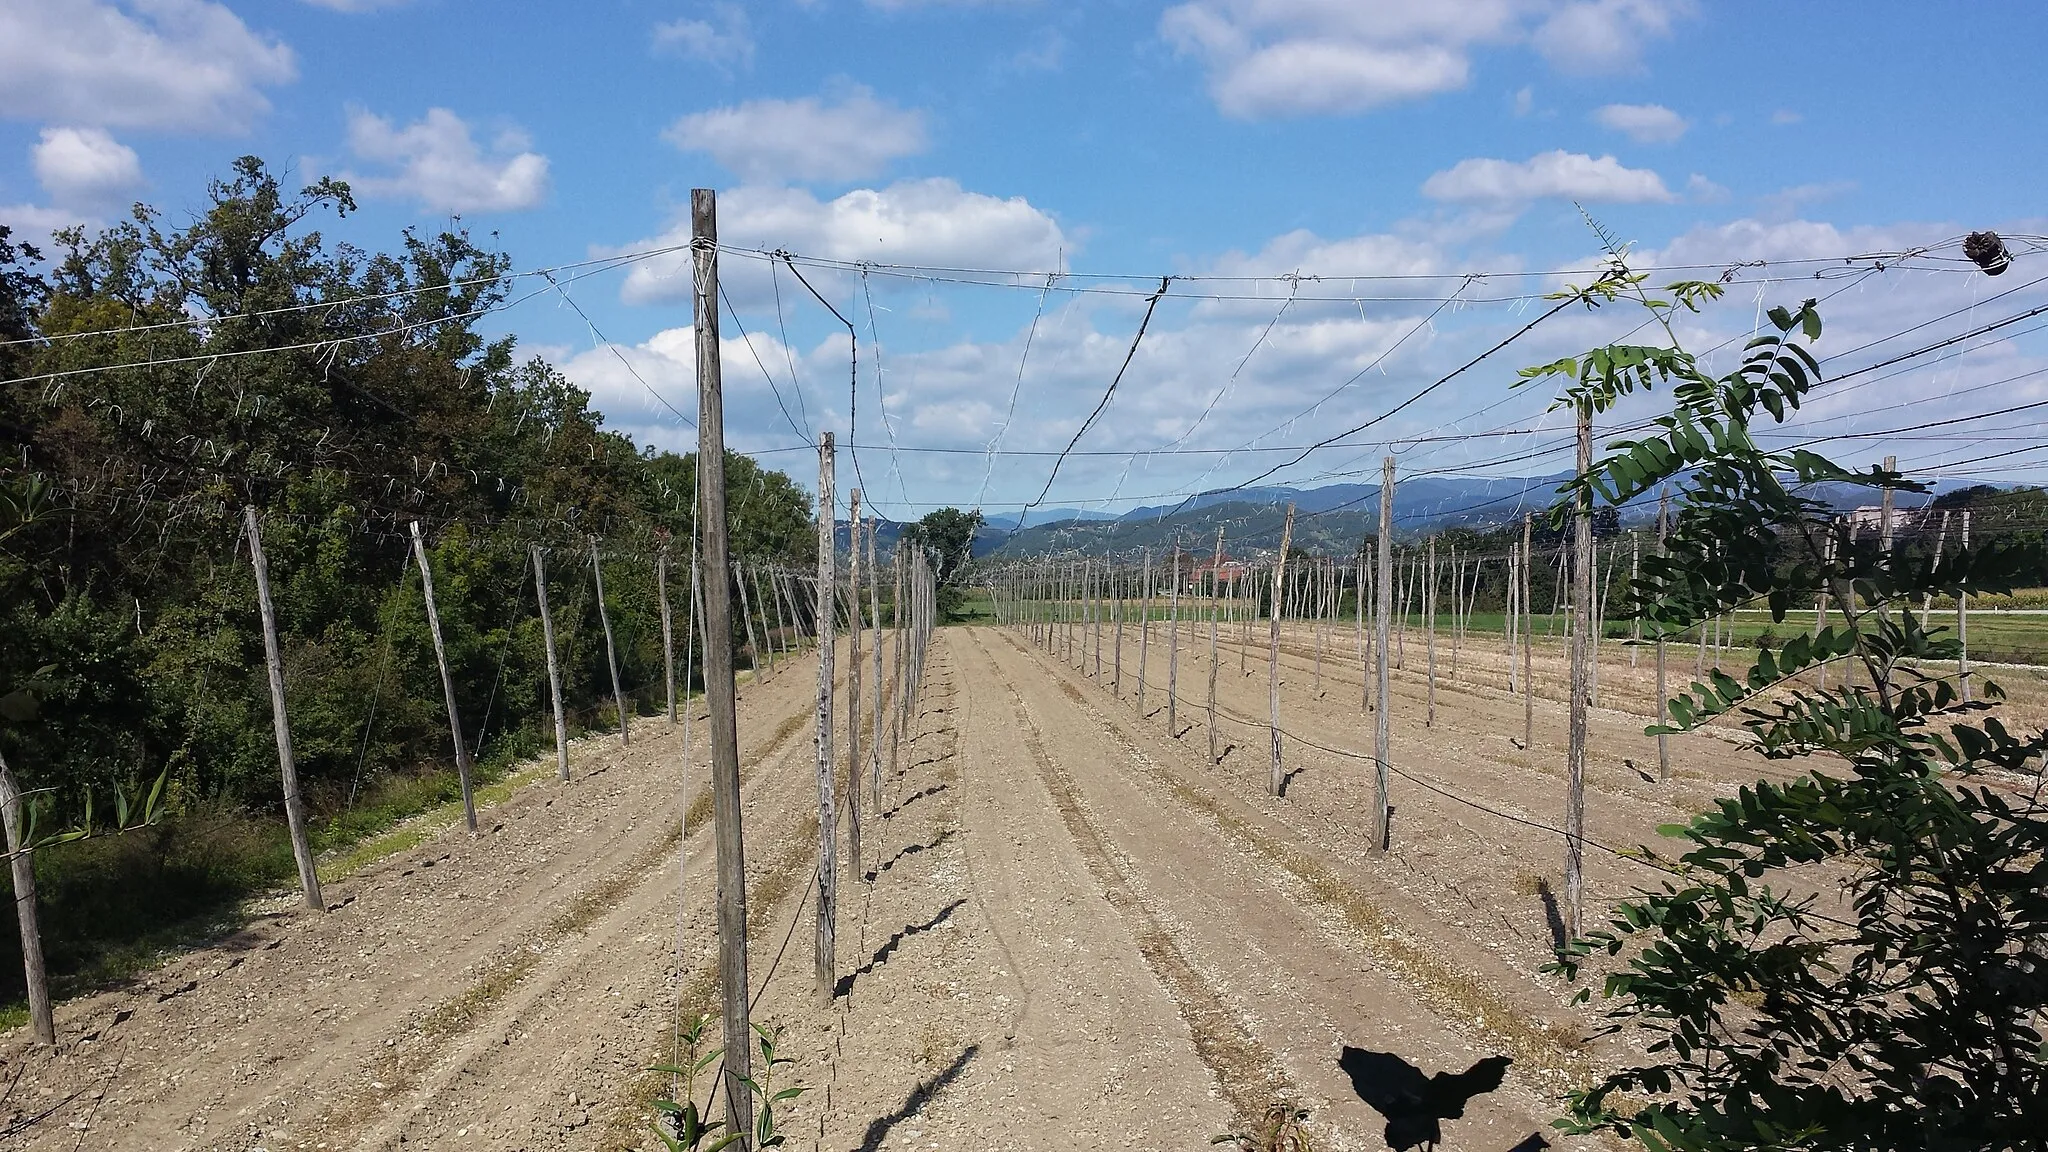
[462,767]
[1382,730]
[1276,778]
[1215,606]
[1886,503]
[1963,621]
[1510,625]
[611,652]
[826,950]
[1581,684]
[897,673]
[1120,590]
[1635,572]
[1173,646]
[853,671]
[21,863]
[1364,676]
[668,632]
[719,690]
[739,579]
[547,635]
[273,660]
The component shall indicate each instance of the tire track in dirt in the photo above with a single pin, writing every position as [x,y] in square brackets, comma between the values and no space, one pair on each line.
[1246,1072]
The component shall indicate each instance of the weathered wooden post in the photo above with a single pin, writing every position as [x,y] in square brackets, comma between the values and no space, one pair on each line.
[288,768]
[1276,780]
[826,951]
[22,866]
[739,579]
[898,674]
[1383,585]
[547,635]
[853,671]
[1581,683]
[1664,705]
[1963,620]
[462,767]
[1528,644]
[1429,598]
[1116,681]
[611,652]
[719,688]
[875,729]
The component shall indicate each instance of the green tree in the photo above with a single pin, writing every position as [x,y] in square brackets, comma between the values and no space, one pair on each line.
[1911,1019]
[947,535]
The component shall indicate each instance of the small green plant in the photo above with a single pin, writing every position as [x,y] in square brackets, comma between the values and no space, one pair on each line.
[692,1132]
[1283,1130]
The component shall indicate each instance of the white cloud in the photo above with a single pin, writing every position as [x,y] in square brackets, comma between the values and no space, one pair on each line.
[724,40]
[355,6]
[806,139]
[1292,57]
[176,65]
[35,223]
[441,166]
[1701,190]
[1525,100]
[1590,36]
[1550,175]
[1643,123]
[1785,116]
[932,222]
[85,166]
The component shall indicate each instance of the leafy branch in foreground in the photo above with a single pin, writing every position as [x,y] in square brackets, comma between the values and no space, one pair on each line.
[683,1128]
[1909,1016]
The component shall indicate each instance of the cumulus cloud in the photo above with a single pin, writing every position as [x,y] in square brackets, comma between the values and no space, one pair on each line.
[85,167]
[173,65]
[1643,123]
[1549,175]
[1293,57]
[851,138]
[724,39]
[436,162]
[355,6]
[931,222]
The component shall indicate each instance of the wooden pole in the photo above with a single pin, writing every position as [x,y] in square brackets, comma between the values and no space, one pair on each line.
[1886,504]
[547,635]
[668,631]
[1364,677]
[1582,646]
[1276,781]
[611,652]
[288,768]
[1383,587]
[1663,705]
[1510,625]
[827,942]
[1215,605]
[1635,572]
[419,552]
[897,673]
[1173,647]
[719,689]
[875,727]
[1120,591]
[1963,620]
[739,579]
[21,863]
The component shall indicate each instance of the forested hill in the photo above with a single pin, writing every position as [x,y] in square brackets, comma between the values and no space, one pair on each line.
[344,394]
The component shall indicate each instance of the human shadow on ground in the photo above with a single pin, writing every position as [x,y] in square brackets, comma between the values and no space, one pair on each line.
[1415,1105]
[895,941]
[1552,916]
[879,1128]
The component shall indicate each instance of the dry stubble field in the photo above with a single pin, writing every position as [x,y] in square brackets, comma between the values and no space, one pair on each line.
[1079,932]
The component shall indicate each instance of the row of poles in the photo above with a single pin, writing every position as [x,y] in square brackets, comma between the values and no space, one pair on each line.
[913,610]
[1066,605]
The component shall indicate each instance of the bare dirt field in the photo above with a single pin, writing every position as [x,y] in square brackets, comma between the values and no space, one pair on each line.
[1071,930]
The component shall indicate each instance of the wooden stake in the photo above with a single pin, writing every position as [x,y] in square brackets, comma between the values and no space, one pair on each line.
[21,863]
[462,768]
[897,674]
[1383,587]
[1144,632]
[1364,677]
[1429,597]
[547,635]
[1276,781]
[1963,621]
[720,691]
[827,940]
[1582,646]
[1528,644]
[875,727]
[1635,572]
[739,579]
[288,768]
[611,653]
[1116,679]
[853,670]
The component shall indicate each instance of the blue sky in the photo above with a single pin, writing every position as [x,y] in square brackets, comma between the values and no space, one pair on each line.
[1238,138]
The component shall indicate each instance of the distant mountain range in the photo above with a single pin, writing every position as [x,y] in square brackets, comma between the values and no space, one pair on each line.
[1331,518]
